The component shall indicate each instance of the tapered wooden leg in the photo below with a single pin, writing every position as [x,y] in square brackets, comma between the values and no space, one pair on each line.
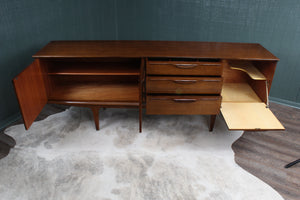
[140,118]
[96,116]
[212,122]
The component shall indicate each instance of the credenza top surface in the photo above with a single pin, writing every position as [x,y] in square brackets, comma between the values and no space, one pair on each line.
[162,49]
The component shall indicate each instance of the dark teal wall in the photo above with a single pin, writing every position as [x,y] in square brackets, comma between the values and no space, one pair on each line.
[27,25]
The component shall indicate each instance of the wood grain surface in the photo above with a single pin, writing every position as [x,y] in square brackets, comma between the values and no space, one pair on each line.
[135,49]
[241,92]
[184,85]
[249,116]
[184,68]
[31,92]
[249,68]
[183,105]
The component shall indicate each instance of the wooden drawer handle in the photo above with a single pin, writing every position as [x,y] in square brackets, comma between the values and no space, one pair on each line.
[185,66]
[185,81]
[184,100]
[193,100]
[195,81]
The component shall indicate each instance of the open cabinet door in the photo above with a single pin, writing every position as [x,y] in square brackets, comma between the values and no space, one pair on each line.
[31,92]
[242,109]
[249,116]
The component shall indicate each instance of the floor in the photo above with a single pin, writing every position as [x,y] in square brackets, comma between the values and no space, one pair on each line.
[263,154]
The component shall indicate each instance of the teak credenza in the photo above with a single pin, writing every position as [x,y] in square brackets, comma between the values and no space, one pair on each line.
[166,77]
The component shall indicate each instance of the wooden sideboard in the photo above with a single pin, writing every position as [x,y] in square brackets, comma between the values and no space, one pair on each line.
[166,77]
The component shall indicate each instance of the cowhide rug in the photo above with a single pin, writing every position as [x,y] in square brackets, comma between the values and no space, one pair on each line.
[175,157]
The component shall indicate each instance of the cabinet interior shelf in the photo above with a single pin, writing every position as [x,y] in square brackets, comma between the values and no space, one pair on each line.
[96,92]
[238,92]
[249,68]
[93,68]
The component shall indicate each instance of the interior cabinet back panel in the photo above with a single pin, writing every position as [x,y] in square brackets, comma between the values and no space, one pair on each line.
[94,88]
[83,67]
[234,76]
[31,92]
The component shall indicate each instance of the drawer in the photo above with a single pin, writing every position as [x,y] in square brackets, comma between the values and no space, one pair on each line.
[184,68]
[183,105]
[184,85]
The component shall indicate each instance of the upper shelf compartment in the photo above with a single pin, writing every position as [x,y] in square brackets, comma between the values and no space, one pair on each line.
[249,68]
[93,68]
[238,92]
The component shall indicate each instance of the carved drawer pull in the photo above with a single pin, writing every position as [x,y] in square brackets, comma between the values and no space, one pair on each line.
[184,100]
[185,66]
[193,100]
[185,81]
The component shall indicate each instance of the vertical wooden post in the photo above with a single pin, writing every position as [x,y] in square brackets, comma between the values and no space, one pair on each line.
[95,111]
[141,87]
[212,122]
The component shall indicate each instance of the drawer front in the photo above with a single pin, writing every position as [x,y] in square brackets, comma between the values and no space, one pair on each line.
[184,68]
[183,105]
[184,85]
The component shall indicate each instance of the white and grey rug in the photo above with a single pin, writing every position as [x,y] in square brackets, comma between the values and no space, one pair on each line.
[64,157]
